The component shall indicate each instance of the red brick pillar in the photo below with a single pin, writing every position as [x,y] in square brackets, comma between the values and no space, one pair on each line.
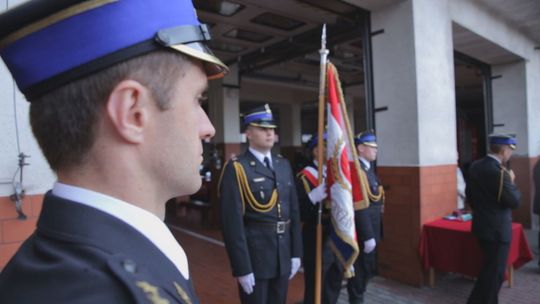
[414,196]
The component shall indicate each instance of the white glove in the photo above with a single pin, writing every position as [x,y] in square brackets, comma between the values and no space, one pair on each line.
[318,194]
[247,282]
[369,245]
[295,265]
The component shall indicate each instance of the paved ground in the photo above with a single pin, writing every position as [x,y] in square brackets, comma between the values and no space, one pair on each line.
[213,282]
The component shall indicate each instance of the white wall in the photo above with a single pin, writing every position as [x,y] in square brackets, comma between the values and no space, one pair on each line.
[395,85]
[474,17]
[414,77]
[435,82]
[510,102]
[38,177]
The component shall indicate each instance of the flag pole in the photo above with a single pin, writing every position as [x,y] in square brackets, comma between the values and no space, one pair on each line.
[320,146]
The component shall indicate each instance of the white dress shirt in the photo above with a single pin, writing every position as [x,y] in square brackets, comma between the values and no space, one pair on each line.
[141,220]
[260,157]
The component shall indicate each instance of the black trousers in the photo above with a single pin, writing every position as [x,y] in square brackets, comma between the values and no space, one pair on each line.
[266,291]
[365,267]
[489,281]
[332,271]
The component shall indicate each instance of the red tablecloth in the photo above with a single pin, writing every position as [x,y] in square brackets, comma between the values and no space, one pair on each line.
[450,246]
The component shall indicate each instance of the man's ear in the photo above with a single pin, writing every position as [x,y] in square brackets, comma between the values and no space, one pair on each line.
[128,110]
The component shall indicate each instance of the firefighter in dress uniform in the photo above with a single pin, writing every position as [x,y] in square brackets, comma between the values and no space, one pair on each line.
[310,195]
[114,90]
[260,215]
[492,195]
[368,214]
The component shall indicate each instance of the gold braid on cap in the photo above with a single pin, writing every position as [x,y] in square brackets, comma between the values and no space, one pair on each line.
[246,194]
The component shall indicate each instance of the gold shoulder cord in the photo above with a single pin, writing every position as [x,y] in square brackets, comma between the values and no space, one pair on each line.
[245,192]
[305,183]
[501,181]
[365,184]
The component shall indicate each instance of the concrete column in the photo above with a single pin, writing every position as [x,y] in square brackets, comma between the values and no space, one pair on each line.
[414,78]
[290,130]
[224,112]
[509,111]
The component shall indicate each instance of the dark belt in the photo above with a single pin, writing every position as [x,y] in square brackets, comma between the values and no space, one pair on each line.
[279,227]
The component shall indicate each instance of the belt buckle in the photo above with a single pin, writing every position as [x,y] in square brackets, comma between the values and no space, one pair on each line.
[280,227]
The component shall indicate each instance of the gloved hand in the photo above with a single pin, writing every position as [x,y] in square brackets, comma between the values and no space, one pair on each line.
[369,245]
[295,265]
[247,282]
[318,194]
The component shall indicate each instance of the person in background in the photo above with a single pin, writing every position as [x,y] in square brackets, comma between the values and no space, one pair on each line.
[260,215]
[367,216]
[536,204]
[115,90]
[492,195]
[460,181]
[310,195]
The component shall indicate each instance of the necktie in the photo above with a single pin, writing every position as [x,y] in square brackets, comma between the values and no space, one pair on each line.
[267,162]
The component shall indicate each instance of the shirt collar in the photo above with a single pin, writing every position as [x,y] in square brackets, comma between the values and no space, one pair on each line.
[495,158]
[260,157]
[141,220]
[366,163]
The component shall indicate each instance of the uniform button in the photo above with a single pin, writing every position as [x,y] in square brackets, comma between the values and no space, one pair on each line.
[280,236]
[277,184]
[129,266]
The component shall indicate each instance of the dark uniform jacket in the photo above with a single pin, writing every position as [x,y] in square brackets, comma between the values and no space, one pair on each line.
[309,215]
[492,196]
[79,254]
[250,236]
[368,221]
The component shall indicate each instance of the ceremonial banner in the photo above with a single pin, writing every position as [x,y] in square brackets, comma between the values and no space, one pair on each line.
[339,158]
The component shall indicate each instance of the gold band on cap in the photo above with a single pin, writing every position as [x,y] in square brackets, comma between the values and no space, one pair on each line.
[54,18]
[186,49]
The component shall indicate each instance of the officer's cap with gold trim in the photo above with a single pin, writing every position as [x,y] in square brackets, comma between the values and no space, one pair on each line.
[260,117]
[367,138]
[503,139]
[47,44]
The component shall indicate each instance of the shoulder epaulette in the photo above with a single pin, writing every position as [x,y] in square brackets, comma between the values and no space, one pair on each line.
[139,281]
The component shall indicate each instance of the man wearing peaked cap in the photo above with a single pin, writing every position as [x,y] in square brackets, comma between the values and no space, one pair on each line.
[310,195]
[367,215]
[115,90]
[492,195]
[260,216]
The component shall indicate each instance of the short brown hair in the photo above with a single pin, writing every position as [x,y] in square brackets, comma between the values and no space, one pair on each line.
[64,121]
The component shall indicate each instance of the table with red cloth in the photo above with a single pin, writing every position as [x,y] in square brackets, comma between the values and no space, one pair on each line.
[450,246]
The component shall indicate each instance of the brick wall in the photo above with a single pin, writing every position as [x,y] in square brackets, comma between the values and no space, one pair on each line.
[14,231]
[414,195]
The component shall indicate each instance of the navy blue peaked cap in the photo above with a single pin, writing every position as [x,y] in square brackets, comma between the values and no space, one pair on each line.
[503,139]
[46,44]
[260,117]
[367,138]
[314,140]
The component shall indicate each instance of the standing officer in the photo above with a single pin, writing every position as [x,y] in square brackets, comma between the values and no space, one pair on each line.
[310,195]
[492,195]
[367,217]
[115,90]
[260,216]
